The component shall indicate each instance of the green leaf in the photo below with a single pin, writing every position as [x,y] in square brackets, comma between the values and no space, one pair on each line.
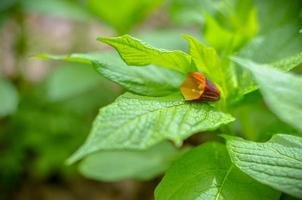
[280,13]
[268,47]
[281,91]
[138,122]
[289,63]
[8,98]
[150,80]
[207,173]
[246,83]
[134,52]
[71,80]
[205,58]
[277,163]
[126,164]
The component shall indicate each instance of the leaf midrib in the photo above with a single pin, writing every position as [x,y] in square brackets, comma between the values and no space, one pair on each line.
[141,116]
[223,182]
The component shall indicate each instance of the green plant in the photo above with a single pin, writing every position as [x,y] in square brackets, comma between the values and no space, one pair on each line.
[137,124]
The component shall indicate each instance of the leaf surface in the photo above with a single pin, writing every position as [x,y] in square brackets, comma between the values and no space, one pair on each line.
[140,164]
[150,80]
[278,42]
[138,122]
[136,53]
[246,83]
[207,173]
[277,163]
[281,91]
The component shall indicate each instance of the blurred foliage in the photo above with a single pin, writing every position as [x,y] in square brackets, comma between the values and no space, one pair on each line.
[141,165]
[252,110]
[120,14]
[36,140]
[70,9]
[8,98]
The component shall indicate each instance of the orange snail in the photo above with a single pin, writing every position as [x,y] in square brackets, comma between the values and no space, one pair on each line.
[198,87]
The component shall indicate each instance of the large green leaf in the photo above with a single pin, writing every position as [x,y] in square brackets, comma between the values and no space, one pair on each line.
[289,63]
[270,47]
[246,83]
[207,173]
[8,98]
[280,13]
[125,164]
[134,52]
[281,91]
[277,163]
[138,122]
[150,80]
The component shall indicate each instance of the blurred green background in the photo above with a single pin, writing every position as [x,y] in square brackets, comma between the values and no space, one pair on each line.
[47,108]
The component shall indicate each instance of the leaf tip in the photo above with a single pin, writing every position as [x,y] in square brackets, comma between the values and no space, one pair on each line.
[186,36]
[103,39]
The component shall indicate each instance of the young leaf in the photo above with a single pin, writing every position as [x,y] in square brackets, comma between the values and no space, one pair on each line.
[281,91]
[246,83]
[207,173]
[207,60]
[268,47]
[150,80]
[236,25]
[277,163]
[134,52]
[138,122]
[125,164]
[8,98]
